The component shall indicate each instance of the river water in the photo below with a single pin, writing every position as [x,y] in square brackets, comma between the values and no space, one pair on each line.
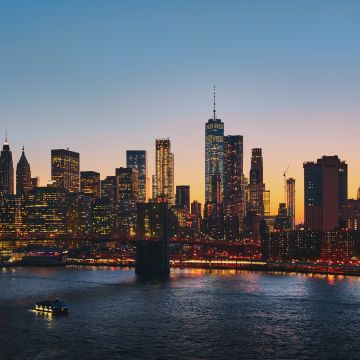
[195,314]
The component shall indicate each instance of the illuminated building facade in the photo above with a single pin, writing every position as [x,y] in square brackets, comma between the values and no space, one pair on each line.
[102,216]
[290,201]
[266,202]
[23,176]
[233,187]
[11,215]
[65,169]
[90,183]
[214,153]
[183,197]
[256,184]
[350,215]
[79,214]
[164,178]
[128,197]
[110,190]
[45,211]
[325,192]
[137,160]
[6,170]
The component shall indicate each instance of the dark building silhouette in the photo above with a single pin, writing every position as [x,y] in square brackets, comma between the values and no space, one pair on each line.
[65,169]
[90,183]
[137,159]
[6,170]
[152,249]
[183,196]
[325,192]
[234,201]
[35,182]
[23,176]
[196,209]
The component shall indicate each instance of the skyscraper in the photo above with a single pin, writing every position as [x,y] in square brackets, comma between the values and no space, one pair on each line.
[6,170]
[183,196]
[137,159]
[290,201]
[23,176]
[164,178]
[65,169]
[234,204]
[325,192]
[90,183]
[214,152]
[256,184]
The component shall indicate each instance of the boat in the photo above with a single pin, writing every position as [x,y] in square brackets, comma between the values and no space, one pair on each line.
[54,307]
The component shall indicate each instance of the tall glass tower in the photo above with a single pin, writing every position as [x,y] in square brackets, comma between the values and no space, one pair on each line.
[137,159]
[214,153]
[6,170]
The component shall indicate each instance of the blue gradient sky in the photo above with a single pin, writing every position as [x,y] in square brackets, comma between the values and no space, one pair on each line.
[101,77]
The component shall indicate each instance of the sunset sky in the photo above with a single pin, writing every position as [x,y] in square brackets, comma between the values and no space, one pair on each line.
[101,77]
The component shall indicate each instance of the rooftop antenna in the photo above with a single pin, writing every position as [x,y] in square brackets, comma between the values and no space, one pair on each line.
[6,137]
[214,109]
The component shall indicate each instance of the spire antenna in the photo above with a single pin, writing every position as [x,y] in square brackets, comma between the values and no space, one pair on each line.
[214,109]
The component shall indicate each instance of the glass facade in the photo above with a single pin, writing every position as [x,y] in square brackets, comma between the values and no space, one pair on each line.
[65,169]
[136,159]
[214,154]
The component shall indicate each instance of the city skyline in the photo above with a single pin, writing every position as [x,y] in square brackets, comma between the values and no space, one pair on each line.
[286,76]
[299,212]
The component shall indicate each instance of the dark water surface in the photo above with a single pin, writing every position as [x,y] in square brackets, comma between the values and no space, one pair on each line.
[194,314]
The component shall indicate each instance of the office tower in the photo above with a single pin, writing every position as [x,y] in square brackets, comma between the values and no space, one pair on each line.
[183,196]
[196,208]
[23,176]
[110,189]
[153,187]
[137,159]
[256,184]
[358,193]
[266,202]
[233,186]
[6,170]
[35,182]
[102,216]
[290,201]
[79,214]
[128,194]
[90,183]
[46,211]
[214,152]
[325,192]
[282,220]
[164,178]
[350,214]
[11,215]
[65,169]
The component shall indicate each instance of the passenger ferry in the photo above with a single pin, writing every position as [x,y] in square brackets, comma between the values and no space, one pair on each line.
[55,307]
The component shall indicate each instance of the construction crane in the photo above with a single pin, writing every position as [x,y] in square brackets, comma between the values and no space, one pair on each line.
[284,175]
